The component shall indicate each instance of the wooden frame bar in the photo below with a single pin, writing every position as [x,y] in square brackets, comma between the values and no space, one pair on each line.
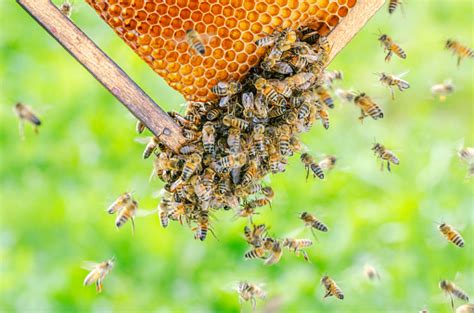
[106,71]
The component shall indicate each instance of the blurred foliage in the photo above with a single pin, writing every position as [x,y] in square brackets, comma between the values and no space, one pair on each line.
[55,186]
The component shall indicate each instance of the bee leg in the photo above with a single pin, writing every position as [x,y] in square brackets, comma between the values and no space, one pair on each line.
[459,61]
[393,93]
[452,302]
[213,234]
[381,166]
[21,129]
[388,166]
[328,293]
[314,234]
[305,255]
[389,56]
[133,226]
[254,304]
[98,285]
[307,173]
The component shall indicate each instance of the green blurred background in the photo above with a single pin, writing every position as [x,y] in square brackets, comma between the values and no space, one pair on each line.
[56,185]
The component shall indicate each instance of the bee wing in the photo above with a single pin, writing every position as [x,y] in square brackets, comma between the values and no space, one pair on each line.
[294,233]
[89,265]
[143,140]
[91,278]
[403,74]
[143,213]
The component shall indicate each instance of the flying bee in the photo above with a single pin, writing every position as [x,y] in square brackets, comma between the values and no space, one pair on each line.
[276,253]
[325,97]
[330,76]
[391,80]
[386,155]
[226,88]
[98,272]
[393,4]
[25,113]
[268,192]
[460,50]
[344,95]
[256,235]
[370,272]
[284,139]
[452,290]
[451,234]
[195,41]
[312,222]
[66,8]
[309,164]
[126,213]
[465,308]
[297,246]
[442,90]
[232,121]
[367,107]
[327,163]
[164,209]
[250,292]
[208,137]
[391,47]
[120,202]
[151,145]
[332,289]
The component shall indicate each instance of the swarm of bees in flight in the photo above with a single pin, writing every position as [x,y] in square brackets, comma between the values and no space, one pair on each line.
[250,132]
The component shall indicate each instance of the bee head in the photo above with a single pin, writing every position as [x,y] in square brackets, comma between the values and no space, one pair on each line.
[303,215]
[383,37]
[443,284]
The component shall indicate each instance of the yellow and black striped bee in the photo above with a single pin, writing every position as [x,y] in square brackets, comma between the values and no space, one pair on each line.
[451,234]
[460,50]
[194,40]
[310,164]
[390,81]
[312,222]
[452,290]
[393,4]
[391,47]
[385,155]
[368,107]
[98,272]
[250,292]
[332,289]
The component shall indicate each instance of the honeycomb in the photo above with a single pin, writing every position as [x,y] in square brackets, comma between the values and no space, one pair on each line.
[156,30]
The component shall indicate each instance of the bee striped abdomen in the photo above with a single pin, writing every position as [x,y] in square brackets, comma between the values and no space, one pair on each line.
[460,294]
[375,112]
[255,253]
[398,51]
[319,226]
[317,171]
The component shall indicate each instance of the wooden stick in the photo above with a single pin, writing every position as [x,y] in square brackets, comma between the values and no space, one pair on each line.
[350,25]
[106,71]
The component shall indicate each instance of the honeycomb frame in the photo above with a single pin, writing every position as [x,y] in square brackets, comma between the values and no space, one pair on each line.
[155,30]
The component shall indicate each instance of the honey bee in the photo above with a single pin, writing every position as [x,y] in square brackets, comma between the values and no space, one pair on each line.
[344,95]
[284,139]
[452,290]
[465,308]
[367,107]
[255,253]
[256,235]
[233,140]
[250,292]
[195,41]
[127,212]
[25,113]
[385,155]
[442,90]
[327,163]
[467,155]
[213,114]
[140,127]
[460,50]
[391,47]
[297,246]
[208,137]
[276,252]
[232,121]
[393,4]
[203,226]
[66,8]
[231,161]
[309,164]
[120,202]
[330,76]
[151,146]
[312,222]
[370,272]
[332,289]
[391,80]
[279,67]
[98,272]
[251,174]
[309,35]
[325,97]
[269,92]
[190,167]
[451,234]
[191,148]
[258,137]
[300,79]
[226,88]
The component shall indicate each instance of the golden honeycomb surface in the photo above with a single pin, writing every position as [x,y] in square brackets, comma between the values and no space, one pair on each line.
[156,30]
